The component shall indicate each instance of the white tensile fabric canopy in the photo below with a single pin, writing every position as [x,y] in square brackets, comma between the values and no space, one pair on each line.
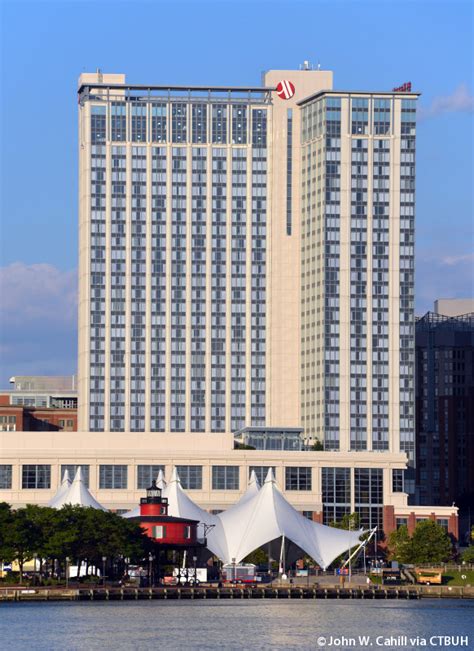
[62,490]
[269,516]
[77,495]
[260,517]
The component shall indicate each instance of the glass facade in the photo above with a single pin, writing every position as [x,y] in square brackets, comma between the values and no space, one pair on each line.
[5,476]
[368,489]
[407,277]
[36,476]
[298,478]
[159,204]
[380,291]
[365,294]
[336,488]
[188,244]
[358,327]
[225,478]
[112,476]
[190,476]
[118,265]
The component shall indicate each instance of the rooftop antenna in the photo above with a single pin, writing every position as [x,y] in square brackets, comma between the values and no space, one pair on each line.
[100,75]
[319,65]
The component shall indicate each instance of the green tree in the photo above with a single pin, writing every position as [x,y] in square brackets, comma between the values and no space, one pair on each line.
[23,537]
[468,555]
[349,521]
[6,518]
[400,545]
[257,557]
[430,543]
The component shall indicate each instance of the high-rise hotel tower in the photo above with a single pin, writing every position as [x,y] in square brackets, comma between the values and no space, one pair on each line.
[245,277]
[246,259]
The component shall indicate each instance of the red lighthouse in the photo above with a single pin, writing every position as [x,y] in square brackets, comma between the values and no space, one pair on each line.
[165,529]
[169,534]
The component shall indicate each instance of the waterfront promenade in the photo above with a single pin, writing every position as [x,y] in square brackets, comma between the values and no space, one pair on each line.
[234,592]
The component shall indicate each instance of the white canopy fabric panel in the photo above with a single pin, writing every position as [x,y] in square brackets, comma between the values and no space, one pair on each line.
[78,495]
[62,490]
[268,515]
[182,506]
[252,490]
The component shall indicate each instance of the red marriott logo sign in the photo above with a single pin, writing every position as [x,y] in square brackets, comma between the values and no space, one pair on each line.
[285,89]
[404,88]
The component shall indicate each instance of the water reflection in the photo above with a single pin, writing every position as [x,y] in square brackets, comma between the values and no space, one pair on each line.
[227,625]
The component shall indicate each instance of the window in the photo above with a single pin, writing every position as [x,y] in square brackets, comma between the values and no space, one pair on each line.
[397,481]
[219,123]
[72,469]
[261,472]
[308,514]
[146,474]
[225,478]
[443,522]
[190,476]
[187,532]
[112,476]
[159,531]
[98,116]
[36,476]
[5,476]
[178,122]
[239,124]
[402,522]
[297,479]
[369,496]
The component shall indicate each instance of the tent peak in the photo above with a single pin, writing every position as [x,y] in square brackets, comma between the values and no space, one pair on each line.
[175,476]
[160,480]
[253,478]
[78,476]
[270,478]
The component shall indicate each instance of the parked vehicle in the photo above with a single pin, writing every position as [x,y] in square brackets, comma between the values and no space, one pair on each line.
[427,577]
[239,573]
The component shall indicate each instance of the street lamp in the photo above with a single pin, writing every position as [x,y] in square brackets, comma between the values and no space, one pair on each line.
[35,556]
[233,571]
[150,561]
[104,558]
[67,571]
[195,570]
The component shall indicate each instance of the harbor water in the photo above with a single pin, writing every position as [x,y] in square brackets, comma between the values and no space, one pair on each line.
[292,624]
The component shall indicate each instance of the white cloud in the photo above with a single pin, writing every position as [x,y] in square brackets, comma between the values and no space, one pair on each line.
[37,292]
[450,276]
[460,101]
[451,260]
[38,314]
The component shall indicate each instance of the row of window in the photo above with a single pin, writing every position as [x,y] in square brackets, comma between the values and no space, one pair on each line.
[113,476]
[178,123]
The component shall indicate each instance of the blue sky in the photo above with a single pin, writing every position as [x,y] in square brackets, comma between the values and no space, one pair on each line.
[369,46]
